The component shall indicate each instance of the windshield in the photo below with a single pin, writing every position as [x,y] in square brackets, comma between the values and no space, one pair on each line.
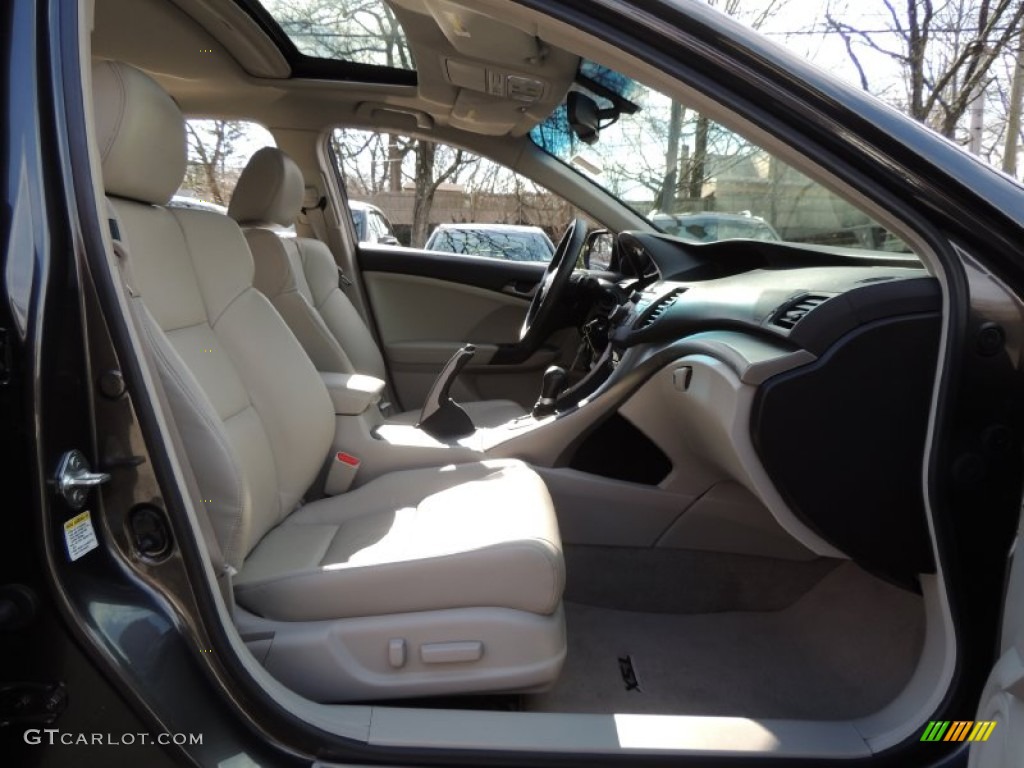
[690,176]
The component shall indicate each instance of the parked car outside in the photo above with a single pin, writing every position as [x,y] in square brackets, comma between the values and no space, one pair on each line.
[372,225]
[712,226]
[511,242]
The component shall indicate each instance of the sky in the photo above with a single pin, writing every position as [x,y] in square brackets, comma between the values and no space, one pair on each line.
[800,26]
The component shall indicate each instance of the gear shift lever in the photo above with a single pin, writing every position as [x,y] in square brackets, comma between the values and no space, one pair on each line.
[551,387]
[441,416]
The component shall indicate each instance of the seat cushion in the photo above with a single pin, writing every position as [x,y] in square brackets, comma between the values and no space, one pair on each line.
[484,414]
[468,535]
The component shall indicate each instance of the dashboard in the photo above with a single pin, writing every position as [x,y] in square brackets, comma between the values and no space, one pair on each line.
[832,356]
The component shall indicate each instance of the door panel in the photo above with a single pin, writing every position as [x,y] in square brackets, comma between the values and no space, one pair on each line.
[427,304]
[491,274]
[1002,701]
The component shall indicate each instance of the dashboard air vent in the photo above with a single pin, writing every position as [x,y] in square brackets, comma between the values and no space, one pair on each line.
[658,308]
[792,313]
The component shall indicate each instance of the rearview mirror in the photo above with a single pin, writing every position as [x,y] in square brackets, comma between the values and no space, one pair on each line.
[584,116]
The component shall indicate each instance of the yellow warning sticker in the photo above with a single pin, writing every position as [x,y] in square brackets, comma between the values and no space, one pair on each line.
[80,536]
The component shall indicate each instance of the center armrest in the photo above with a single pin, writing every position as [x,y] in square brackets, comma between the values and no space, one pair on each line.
[352,393]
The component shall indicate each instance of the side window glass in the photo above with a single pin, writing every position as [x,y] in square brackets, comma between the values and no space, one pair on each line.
[359,222]
[218,151]
[446,198]
[385,227]
[379,230]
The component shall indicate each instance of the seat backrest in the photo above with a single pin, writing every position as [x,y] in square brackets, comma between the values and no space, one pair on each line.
[299,274]
[254,416]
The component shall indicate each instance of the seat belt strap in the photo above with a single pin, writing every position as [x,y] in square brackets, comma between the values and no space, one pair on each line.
[312,214]
[124,265]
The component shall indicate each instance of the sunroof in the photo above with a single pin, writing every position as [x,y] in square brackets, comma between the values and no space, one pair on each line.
[356,31]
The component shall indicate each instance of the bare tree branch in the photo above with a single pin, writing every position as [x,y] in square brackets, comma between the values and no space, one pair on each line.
[843,32]
[946,50]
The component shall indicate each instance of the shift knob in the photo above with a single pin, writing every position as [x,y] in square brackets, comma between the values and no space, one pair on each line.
[551,387]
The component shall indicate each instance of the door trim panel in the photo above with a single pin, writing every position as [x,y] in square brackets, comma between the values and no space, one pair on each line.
[479,271]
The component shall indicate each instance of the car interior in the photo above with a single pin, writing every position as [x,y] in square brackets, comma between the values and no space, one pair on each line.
[670,503]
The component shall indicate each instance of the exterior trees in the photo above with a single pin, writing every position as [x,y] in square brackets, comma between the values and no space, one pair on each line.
[211,147]
[944,49]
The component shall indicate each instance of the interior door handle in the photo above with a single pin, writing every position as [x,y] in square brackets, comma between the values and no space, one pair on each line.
[520,289]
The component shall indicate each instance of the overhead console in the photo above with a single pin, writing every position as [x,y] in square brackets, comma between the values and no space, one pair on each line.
[504,79]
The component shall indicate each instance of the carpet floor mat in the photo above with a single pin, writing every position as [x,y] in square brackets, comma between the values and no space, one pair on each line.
[843,650]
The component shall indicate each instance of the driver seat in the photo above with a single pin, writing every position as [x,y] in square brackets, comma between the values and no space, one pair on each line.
[300,277]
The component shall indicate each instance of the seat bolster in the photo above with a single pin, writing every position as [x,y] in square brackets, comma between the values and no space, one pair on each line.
[339,314]
[279,276]
[307,325]
[214,461]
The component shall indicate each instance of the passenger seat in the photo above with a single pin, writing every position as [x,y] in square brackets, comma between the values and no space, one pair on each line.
[424,582]
[300,277]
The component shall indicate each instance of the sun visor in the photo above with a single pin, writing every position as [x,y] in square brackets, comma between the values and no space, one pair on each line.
[485,114]
[479,36]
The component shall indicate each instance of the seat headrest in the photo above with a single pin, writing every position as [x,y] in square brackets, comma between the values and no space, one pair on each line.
[269,191]
[141,134]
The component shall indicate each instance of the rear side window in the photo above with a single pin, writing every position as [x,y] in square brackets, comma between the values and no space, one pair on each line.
[380,227]
[218,151]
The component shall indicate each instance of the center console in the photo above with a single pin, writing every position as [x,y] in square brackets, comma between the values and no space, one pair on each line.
[367,444]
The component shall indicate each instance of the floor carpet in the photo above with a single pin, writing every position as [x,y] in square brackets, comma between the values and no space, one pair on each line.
[843,650]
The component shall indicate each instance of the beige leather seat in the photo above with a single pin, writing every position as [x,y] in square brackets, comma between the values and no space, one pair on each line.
[300,277]
[420,582]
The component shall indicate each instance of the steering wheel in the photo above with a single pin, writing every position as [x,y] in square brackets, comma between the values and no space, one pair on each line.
[556,279]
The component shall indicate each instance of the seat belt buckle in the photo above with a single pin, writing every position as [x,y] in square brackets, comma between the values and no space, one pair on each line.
[342,473]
